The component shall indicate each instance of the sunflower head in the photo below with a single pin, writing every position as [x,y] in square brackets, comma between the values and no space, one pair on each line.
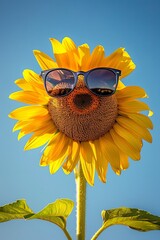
[80,125]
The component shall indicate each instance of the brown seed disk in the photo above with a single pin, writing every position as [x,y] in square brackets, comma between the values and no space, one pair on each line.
[82,115]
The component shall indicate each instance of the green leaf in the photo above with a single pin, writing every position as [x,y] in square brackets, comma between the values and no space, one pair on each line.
[15,210]
[132,217]
[56,212]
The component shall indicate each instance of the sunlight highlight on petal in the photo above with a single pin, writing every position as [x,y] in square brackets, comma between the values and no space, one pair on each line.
[124,162]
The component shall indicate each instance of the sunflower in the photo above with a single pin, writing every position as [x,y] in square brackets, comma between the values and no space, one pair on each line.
[95,130]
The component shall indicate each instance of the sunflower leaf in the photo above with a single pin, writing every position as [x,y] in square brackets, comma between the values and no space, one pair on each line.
[15,210]
[132,217]
[56,212]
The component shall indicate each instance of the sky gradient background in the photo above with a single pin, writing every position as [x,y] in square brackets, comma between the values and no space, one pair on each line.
[28,25]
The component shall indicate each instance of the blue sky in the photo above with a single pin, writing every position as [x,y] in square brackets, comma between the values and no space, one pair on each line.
[28,25]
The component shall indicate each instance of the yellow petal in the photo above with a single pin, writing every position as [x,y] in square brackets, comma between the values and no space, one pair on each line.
[97,57]
[128,136]
[60,54]
[65,53]
[55,165]
[62,60]
[33,78]
[68,44]
[101,161]
[28,112]
[45,62]
[58,48]
[21,134]
[124,163]
[73,61]
[87,159]
[37,141]
[40,137]
[111,152]
[120,85]
[121,60]
[29,97]
[35,81]
[57,148]
[150,113]
[141,120]
[131,92]
[84,56]
[32,82]
[124,146]
[19,125]
[72,52]
[134,128]
[132,106]
[34,124]
[23,84]
[73,157]
[38,127]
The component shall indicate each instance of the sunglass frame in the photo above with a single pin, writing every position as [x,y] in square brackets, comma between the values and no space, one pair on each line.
[117,73]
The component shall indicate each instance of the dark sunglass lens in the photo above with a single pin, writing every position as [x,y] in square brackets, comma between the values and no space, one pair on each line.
[102,82]
[59,82]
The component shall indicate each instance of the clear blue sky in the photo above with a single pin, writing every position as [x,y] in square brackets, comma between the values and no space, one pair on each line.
[28,25]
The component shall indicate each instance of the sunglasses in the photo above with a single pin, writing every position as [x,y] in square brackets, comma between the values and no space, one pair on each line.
[60,82]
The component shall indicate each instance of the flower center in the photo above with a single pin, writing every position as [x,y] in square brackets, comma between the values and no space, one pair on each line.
[82,100]
[82,115]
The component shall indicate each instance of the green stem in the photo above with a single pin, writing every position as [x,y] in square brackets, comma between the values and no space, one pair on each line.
[81,203]
[97,233]
[67,234]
